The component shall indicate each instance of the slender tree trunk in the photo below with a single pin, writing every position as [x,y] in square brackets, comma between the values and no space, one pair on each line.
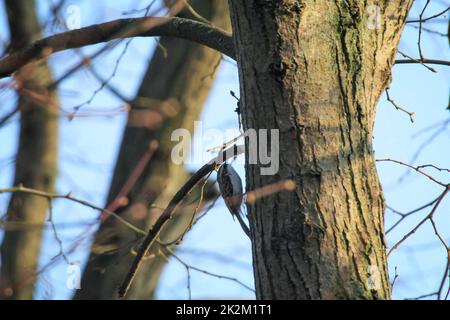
[36,162]
[174,90]
[315,70]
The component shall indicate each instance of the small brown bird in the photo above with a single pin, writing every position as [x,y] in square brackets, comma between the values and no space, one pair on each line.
[231,189]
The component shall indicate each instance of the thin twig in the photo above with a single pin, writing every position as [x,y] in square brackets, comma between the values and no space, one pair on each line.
[395,278]
[410,114]
[55,232]
[403,216]
[419,46]
[429,216]
[417,169]
[421,61]
[429,18]
[215,275]
[8,116]
[22,189]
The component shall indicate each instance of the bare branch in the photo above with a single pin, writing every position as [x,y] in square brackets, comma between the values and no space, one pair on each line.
[403,216]
[8,116]
[420,20]
[215,275]
[410,114]
[167,214]
[48,195]
[422,61]
[418,169]
[188,29]
[428,217]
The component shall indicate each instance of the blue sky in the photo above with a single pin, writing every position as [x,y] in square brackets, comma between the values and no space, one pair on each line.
[89,146]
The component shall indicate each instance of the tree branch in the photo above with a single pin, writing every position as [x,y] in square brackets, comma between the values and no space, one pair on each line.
[187,29]
[51,196]
[422,61]
[167,214]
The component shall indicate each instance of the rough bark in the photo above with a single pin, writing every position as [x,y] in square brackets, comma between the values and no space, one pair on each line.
[315,71]
[171,96]
[36,160]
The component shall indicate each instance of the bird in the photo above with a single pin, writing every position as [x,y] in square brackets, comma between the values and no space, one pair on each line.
[231,189]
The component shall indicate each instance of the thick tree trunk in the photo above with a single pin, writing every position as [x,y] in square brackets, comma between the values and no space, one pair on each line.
[315,71]
[36,161]
[174,87]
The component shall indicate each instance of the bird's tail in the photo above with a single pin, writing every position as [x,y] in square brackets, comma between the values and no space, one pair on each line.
[243,225]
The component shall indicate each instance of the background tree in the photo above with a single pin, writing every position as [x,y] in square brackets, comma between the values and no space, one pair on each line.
[36,162]
[171,96]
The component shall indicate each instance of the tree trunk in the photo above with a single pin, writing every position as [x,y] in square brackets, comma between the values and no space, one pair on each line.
[315,70]
[36,162]
[174,90]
